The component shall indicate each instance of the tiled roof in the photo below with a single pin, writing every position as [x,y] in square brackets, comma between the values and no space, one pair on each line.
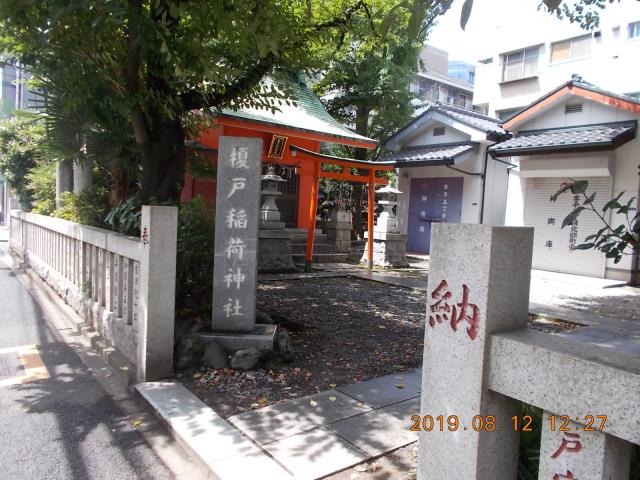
[474,119]
[490,126]
[574,86]
[610,135]
[306,113]
[443,154]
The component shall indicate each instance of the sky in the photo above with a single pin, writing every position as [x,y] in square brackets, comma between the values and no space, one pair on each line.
[493,23]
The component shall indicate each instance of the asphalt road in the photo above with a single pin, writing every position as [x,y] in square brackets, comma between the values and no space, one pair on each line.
[65,426]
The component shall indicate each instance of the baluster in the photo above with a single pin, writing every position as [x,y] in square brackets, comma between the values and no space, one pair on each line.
[126,295]
[135,296]
[117,284]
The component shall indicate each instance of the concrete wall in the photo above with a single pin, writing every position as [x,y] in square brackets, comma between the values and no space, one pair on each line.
[612,63]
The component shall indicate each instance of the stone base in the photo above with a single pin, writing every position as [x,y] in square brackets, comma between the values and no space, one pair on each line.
[262,338]
[274,252]
[389,250]
[339,235]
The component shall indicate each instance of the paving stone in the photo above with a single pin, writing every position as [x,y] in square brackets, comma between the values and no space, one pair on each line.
[273,423]
[628,344]
[207,435]
[380,431]
[315,453]
[383,391]
[590,335]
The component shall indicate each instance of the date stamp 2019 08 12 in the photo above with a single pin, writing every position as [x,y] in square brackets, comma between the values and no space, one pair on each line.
[451,423]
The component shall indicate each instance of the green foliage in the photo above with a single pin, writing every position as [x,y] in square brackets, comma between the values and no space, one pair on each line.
[194,274]
[41,184]
[19,153]
[145,65]
[529,458]
[87,207]
[614,242]
[125,217]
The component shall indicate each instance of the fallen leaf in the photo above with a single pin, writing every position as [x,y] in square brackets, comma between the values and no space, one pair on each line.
[383,327]
[333,385]
[197,375]
[375,467]
[263,401]
[399,385]
[360,404]
[313,403]
[332,398]
[354,476]
[363,467]
[108,375]
[136,423]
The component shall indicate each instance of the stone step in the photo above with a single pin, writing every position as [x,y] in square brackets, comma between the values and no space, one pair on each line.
[323,258]
[302,238]
[299,248]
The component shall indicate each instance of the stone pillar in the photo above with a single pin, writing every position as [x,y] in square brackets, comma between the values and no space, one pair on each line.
[478,285]
[339,231]
[82,175]
[64,180]
[159,227]
[576,453]
[236,242]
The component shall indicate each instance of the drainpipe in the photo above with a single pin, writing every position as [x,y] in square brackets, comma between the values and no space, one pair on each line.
[635,258]
[484,182]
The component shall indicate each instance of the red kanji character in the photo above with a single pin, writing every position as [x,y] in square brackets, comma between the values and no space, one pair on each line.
[441,305]
[566,476]
[570,443]
[473,320]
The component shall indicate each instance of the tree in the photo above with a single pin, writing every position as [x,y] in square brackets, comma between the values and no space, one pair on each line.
[365,82]
[614,242]
[154,62]
[20,141]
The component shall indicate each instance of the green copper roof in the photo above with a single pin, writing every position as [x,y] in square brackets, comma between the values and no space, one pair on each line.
[305,112]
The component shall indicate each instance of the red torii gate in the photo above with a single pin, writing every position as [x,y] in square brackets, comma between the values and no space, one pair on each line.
[345,175]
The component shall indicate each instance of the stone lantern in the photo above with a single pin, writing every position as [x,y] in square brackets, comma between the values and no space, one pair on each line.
[274,247]
[387,220]
[269,213]
[389,245]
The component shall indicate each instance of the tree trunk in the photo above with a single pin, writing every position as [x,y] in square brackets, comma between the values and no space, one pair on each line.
[163,161]
[357,194]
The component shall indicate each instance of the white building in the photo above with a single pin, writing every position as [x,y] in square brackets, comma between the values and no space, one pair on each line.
[533,61]
[576,131]
[445,173]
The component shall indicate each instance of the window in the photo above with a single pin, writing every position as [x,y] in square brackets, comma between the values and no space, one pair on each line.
[438,131]
[571,49]
[634,30]
[520,64]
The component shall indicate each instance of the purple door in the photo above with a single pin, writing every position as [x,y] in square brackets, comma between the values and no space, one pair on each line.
[432,200]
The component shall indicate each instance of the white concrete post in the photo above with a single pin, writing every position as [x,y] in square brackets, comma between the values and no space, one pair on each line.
[157,292]
[82,175]
[64,179]
[568,451]
[478,285]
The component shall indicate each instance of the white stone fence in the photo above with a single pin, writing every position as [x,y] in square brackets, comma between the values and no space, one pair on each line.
[122,286]
[481,362]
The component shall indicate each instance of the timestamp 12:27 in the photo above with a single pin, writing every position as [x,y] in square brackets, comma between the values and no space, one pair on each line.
[561,423]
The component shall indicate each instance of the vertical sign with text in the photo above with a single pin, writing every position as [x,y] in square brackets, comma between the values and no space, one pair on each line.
[236,242]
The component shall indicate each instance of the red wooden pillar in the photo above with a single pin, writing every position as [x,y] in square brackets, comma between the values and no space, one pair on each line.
[311,226]
[372,175]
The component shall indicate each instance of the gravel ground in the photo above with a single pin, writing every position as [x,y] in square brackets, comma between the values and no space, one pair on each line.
[349,330]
